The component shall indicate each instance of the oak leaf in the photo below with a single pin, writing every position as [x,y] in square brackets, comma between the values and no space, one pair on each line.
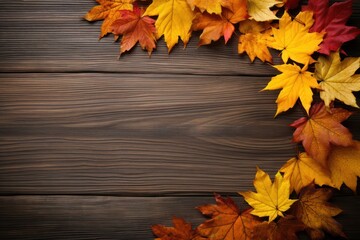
[344,165]
[181,231]
[260,11]
[285,228]
[227,222]
[108,11]
[316,213]
[332,20]
[295,83]
[271,199]
[321,129]
[253,40]
[215,26]
[135,28]
[337,79]
[211,6]
[303,170]
[174,20]
[294,40]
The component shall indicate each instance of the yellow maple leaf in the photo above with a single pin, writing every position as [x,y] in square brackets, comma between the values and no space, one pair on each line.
[303,170]
[260,11]
[337,79]
[271,199]
[295,83]
[109,11]
[344,165]
[211,6]
[253,40]
[174,20]
[294,40]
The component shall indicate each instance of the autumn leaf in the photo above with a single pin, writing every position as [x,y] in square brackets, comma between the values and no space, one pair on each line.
[108,11]
[337,79]
[321,129]
[294,40]
[215,26]
[344,165]
[271,199]
[174,20]
[259,10]
[227,222]
[253,40]
[332,20]
[315,212]
[181,231]
[285,228]
[291,4]
[295,83]
[211,6]
[303,170]
[135,28]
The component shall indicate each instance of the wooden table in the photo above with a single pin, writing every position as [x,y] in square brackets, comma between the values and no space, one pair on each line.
[92,147]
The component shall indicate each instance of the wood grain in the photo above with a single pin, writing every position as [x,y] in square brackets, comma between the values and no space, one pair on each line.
[50,36]
[105,217]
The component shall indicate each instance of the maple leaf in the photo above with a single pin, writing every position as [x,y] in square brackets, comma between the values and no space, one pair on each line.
[315,212]
[337,79]
[174,20]
[271,199]
[303,170]
[215,26]
[285,228]
[291,4]
[332,20]
[227,222]
[260,11]
[211,6]
[254,39]
[344,165]
[108,10]
[294,40]
[135,28]
[295,83]
[181,231]
[321,129]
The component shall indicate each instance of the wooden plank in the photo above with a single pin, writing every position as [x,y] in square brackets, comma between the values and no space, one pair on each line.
[50,36]
[105,217]
[139,134]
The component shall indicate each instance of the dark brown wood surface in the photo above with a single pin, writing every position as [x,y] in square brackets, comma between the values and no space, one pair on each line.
[92,147]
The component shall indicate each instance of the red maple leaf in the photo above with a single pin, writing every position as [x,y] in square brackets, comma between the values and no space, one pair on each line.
[332,20]
[135,28]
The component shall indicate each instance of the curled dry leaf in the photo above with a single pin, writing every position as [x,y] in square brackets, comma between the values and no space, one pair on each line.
[181,231]
[316,213]
[344,164]
[321,129]
[337,78]
[108,11]
[135,28]
[303,170]
[271,199]
[227,222]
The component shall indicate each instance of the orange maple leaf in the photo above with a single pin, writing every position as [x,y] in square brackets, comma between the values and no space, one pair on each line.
[285,228]
[108,11]
[181,231]
[321,129]
[215,26]
[227,222]
[316,213]
[135,28]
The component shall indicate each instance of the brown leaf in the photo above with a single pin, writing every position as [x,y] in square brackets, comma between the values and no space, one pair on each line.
[285,228]
[315,212]
[227,222]
[181,231]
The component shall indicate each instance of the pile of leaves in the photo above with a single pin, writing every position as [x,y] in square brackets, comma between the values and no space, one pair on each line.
[309,38]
